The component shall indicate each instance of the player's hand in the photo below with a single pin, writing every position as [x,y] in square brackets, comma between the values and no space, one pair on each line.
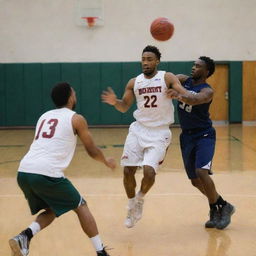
[109,96]
[172,94]
[110,162]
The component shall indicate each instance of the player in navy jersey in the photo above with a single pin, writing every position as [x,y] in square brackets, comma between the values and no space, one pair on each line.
[198,138]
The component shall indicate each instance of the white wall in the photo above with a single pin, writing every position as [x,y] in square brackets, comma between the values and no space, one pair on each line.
[46,31]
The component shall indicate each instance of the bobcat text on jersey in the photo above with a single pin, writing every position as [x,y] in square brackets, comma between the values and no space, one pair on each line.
[150,90]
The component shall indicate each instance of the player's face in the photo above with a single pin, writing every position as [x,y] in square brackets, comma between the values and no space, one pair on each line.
[149,63]
[73,98]
[199,70]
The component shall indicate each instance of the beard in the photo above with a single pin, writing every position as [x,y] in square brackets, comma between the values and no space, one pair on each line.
[148,72]
[196,77]
[74,106]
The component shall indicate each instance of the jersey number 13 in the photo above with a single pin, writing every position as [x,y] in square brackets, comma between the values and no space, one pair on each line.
[52,123]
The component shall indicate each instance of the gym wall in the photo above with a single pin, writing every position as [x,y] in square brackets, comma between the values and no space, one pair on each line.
[46,31]
[41,44]
[25,89]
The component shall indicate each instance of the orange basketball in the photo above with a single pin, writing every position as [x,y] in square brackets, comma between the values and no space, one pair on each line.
[161,29]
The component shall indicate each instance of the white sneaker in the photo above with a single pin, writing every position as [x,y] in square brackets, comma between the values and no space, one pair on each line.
[139,208]
[130,219]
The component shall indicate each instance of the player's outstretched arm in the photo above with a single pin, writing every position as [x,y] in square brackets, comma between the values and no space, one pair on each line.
[81,129]
[177,91]
[174,86]
[125,103]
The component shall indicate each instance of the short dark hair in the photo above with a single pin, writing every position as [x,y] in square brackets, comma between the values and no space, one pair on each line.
[60,94]
[155,50]
[209,64]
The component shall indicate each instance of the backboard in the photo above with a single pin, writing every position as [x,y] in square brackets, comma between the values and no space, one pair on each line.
[89,13]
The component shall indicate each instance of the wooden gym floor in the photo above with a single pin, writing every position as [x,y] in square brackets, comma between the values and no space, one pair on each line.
[174,211]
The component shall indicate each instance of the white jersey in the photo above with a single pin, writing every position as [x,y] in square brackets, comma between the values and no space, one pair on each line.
[53,146]
[153,107]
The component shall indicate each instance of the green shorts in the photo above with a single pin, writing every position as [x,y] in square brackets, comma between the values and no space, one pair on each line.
[43,192]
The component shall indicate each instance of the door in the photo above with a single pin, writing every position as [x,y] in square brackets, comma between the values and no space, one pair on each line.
[219,106]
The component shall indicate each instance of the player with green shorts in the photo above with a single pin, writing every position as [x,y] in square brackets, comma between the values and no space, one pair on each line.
[41,171]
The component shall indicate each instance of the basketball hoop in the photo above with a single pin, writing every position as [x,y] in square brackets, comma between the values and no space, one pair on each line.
[90,21]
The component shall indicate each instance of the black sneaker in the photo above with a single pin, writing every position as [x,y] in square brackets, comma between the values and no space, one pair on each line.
[102,253]
[19,245]
[214,218]
[225,215]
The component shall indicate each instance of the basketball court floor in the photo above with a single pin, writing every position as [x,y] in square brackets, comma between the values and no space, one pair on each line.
[174,211]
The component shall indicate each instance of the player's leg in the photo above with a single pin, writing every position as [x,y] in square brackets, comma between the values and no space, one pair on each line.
[89,226]
[220,210]
[155,144]
[147,182]
[45,218]
[196,182]
[20,243]
[131,158]
[129,182]
[187,146]
[87,221]
[212,196]
[208,185]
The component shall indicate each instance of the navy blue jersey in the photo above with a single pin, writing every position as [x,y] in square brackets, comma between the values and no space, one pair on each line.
[197,116]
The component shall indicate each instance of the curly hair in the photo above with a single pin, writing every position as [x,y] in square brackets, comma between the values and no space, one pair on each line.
[155,50]
[210,64]
[60,94]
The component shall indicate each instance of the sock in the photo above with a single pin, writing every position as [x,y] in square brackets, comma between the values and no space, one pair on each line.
[131,202]
[28,233]
[140,195]
[221,201]
[96,241]
[34,227]
[213,206]
[218,204]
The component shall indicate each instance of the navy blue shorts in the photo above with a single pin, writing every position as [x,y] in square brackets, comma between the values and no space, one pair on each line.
[197,150]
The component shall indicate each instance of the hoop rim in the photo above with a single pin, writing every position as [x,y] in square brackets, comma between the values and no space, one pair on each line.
[91,20]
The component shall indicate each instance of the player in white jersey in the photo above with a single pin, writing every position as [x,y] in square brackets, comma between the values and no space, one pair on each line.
[149,136]
[41,177]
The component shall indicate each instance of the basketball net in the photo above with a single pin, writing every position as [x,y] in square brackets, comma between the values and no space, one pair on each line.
[90,21]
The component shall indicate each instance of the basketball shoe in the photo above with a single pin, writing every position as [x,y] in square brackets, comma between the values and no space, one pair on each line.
[139,208]
[214,218]
[226,212]
[102,253]
[130,219]
[19,245]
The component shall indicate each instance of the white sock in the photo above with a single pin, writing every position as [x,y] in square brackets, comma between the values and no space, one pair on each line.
[35,227]
[96,241]
[140,195]
[131,202]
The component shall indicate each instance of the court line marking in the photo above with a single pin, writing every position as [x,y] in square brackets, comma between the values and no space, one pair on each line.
[222,172]
[151,195]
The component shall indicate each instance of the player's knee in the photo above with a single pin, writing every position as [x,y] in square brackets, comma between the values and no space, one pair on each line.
[80,208]
[201,173]
[195,182]
[128,172]
[149,173]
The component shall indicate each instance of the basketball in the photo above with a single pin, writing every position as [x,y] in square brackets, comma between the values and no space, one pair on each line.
[161,29]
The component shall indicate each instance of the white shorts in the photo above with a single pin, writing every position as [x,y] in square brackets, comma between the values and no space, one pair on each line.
[146,145]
